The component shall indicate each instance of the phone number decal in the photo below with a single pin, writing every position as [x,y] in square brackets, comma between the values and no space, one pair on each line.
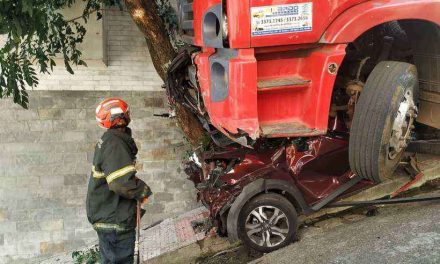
[281,19]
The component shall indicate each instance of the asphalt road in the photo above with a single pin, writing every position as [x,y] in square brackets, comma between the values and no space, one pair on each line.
[398,234]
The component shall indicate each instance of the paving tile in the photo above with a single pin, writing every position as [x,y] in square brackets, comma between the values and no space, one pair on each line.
[170,235]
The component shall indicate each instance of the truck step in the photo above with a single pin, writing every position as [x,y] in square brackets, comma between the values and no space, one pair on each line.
[282,83]
[287,129]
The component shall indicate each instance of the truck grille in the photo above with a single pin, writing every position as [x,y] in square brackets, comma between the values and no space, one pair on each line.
[186,20]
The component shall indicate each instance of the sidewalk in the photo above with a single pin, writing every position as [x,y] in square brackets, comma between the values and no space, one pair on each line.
[169,235]
[172,234]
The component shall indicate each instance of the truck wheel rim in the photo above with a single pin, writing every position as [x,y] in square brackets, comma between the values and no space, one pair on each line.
[267,226]
[402,126]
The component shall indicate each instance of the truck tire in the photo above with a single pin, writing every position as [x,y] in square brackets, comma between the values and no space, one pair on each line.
[383,120]
[268,222]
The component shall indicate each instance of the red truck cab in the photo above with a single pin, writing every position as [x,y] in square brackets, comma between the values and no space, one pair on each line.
[268,67]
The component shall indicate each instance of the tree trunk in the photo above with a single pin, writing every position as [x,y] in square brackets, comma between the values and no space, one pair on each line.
[144,14]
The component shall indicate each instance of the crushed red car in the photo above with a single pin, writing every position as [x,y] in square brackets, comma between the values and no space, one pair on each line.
[296,174]
[306,101]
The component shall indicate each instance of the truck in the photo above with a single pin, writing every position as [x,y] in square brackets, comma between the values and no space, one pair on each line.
[307,101]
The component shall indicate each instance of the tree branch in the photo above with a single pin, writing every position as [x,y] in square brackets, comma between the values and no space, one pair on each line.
[81,16]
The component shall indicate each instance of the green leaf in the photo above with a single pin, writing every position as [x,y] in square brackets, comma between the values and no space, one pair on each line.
[81,62]
[52,64]
[24,104]
[27,7]
[69,30]
[68,68]
[18,28]
[36,31]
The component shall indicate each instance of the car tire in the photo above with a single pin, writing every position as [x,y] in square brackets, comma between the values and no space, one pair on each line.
[383,120]
[268,215]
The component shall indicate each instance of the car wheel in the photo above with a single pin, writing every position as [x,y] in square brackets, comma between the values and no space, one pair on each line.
[268,222]
[383,120]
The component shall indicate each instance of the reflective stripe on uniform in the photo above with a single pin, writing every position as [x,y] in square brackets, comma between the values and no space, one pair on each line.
[97,174]
[120,173]
[105,226]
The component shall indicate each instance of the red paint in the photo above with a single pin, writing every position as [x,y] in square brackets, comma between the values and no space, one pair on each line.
[324,12]
[320,170]
[317,172]
[355,21]
[248,109]
[308,106]
[341,20]
[239,21]
[303,56]
[239,109]
[296,55]
[408,185]
[239,27]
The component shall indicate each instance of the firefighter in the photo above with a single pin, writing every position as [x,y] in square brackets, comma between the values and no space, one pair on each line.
[114,190]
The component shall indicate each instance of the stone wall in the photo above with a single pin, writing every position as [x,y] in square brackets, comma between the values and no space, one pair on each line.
[45,161]
[45,153]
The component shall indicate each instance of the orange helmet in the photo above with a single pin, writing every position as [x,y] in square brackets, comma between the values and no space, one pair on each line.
[110,112]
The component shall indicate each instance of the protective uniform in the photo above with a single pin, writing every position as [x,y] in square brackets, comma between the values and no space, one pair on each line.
[113,193]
